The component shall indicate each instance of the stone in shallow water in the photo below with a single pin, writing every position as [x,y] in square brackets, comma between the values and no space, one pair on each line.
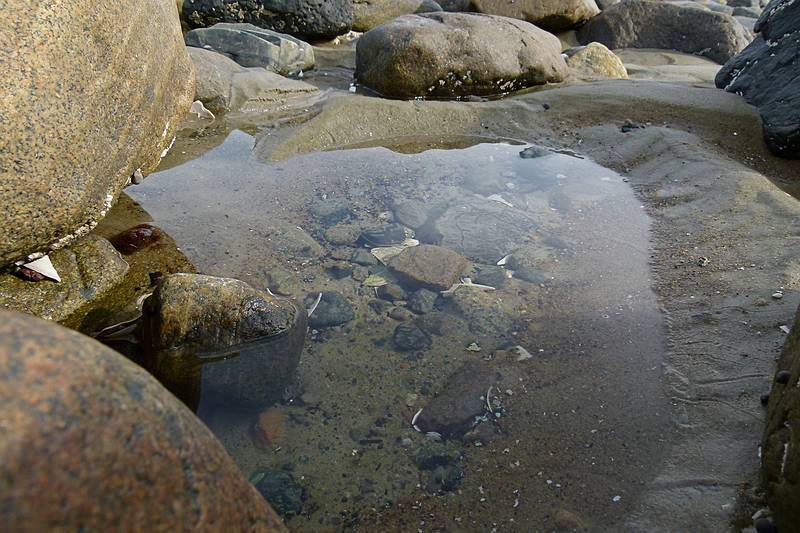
[410,338]
[280,489]
[427,266]
[97,442]
[422,301]
[456,54]
[333,310]
[382,236]
[209,338]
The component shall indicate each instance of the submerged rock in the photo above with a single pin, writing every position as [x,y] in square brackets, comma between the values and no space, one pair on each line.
[93,441]
[83,109]
[652,24]
[250,46]
[370,13]
[427,266]
[210,338]
[89,269]
[410,338]
[313,19]
[456,54]
[280,489]
[223,85]
[767,74]
[553,15]
[422,301]
[780,456]
[333,310]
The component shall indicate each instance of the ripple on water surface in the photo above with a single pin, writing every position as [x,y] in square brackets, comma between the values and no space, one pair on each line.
[542,400]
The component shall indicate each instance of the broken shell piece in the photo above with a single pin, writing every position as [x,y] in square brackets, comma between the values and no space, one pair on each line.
[504,260]
[200,110]
[315,304]
[45,267]
[500,199]
[384,253]
[466,282]
[375,281]
[473,347]
[523,353]
[137,177]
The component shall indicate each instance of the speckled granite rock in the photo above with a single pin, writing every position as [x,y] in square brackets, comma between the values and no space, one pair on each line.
[651,24]
[427,266]
[88,269]
[98,91]
[595,62]
[780,456]
[210,338]
[370,13]
[555,15]
[91,442]
[456,54]
[313,19]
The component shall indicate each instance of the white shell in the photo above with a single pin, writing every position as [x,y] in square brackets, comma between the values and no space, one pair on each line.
[45,267]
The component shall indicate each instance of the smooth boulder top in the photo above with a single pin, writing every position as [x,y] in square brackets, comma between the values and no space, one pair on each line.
[93,92]
[555,15]
[371,13]
[767,74]
[456,54]
[664,25]
[309,19]
[89,441]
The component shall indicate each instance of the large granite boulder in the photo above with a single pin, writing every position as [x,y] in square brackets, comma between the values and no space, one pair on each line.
[215,339]
[91,93]
[251,46]
[311,19]
[91,442]
[456,54]
[780,450]
[767,74]
[224,85]
[370,13]
[555,15]
[652,24]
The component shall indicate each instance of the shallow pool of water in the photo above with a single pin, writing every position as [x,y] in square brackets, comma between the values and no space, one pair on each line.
[562,327]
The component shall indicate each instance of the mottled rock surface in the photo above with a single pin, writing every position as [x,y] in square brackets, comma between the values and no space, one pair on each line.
[97,92]
[89,269]
[652,24]
[767,74]
[313,19]
[219,337]
[554,15]
[370,13]
[594,61]
[780,456]
[90,441]
[456,54]
[427,266]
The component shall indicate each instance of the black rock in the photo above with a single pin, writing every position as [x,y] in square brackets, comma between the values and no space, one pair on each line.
[313,19]
[422,301]
[767,74]
[280,489]
[333,310]
[408,338]
[383,236]
[765,525]
[783,377]
[765,399]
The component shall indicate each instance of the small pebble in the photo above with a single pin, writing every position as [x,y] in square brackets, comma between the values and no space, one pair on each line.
[782,377]
[777,295]
[765,398]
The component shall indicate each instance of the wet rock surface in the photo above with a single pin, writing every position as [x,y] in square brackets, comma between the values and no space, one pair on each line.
[251,46]
[456,54]
[223,85]
[70,148]
[89,269]
[650,24]
[430,267]
[97,442]
[208,338]
[766,74]
[313,19]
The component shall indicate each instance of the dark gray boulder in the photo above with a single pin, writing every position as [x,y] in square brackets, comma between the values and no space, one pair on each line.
[650,24]
[767,74]
[312,19]
[456,54]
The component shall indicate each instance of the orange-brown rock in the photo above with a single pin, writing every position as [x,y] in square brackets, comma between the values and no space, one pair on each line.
[269,429]
[430,267]
[91,442]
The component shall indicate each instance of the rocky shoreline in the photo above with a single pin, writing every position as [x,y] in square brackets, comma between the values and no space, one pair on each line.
[307,278]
